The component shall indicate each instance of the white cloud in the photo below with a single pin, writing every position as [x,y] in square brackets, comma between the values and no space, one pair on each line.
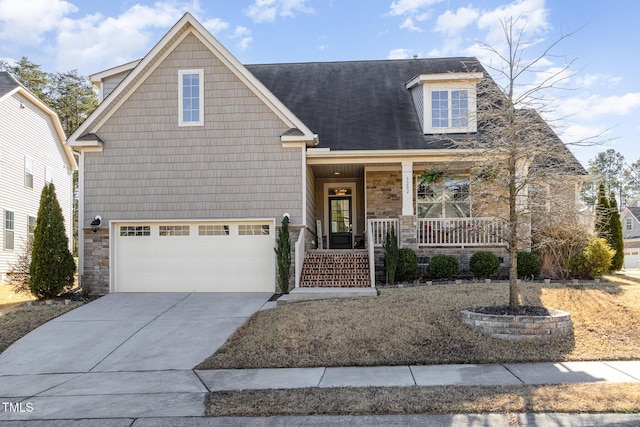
[270,10]
[216,25]
[530,16]
[581,133]
[26,24]
[399,54]
[595,106]
[243,38]
[85,43]
[407,24]
[402,7]
[452,24]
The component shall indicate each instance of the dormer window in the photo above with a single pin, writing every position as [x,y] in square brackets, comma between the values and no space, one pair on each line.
[445,103]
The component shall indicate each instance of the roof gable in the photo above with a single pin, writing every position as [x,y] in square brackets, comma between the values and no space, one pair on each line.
[186,26]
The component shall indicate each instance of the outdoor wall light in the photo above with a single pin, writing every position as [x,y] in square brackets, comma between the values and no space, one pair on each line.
[95,224]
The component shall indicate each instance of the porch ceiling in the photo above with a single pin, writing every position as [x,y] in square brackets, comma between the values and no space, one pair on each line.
[338,171]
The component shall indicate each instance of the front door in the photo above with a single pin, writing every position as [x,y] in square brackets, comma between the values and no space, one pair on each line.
[340,223]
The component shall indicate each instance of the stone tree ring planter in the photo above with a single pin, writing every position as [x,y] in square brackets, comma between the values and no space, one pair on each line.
[534,324]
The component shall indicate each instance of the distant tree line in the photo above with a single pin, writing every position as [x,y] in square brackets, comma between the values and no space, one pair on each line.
[619,178]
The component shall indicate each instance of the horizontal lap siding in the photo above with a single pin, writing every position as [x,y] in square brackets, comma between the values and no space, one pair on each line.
[232,167]
[28,132]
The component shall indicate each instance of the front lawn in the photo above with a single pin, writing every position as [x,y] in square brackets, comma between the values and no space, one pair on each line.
[18,322]
[421,326]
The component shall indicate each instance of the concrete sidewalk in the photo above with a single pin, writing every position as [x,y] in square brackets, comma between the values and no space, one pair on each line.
[127,360]
[181,393]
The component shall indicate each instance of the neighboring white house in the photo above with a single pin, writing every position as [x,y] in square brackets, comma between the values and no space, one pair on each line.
[630,219]
[32,152]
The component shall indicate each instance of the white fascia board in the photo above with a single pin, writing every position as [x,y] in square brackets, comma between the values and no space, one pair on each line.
[316,157]
[57,125]
[100,76]
[443,77]
[311,141]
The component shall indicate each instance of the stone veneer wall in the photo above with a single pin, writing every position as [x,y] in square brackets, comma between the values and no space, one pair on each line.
[384,194]
[520,328]
[95,277]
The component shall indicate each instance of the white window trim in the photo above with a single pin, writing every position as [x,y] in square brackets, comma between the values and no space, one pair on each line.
[181,73]
[48,174]
[470,87]
[7,230]
[28,170]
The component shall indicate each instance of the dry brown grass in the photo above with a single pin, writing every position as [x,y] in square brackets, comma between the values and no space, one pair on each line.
[18,322]
[422,326]
[572,398]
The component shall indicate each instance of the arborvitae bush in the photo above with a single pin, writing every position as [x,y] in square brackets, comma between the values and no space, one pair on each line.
[407,265]
[283,256]
[616,240]
[528,265]
[484,264]
[391,255]
[443,267]
[52,267]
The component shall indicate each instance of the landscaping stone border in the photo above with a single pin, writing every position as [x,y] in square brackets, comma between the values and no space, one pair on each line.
[520,328]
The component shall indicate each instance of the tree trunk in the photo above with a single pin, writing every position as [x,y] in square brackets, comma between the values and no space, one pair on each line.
[514,300]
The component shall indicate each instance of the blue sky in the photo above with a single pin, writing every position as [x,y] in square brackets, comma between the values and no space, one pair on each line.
[602,98]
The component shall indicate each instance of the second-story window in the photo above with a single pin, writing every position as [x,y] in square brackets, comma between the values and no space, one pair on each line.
[190,97]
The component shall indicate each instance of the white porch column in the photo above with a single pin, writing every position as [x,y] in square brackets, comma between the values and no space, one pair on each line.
[407,188]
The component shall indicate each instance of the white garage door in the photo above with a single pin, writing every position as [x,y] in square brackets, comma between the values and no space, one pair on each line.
[194,257]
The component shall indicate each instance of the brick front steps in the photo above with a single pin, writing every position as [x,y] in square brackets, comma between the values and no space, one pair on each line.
[336,269]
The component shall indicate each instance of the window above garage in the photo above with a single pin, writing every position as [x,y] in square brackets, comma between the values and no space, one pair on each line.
[191,97]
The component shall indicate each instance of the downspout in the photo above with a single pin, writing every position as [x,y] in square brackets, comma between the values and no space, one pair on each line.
[81,218]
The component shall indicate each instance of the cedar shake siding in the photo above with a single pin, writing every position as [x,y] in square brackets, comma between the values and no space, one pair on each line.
[232,167]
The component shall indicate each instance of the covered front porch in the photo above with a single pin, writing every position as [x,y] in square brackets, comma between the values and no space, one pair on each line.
[353,201]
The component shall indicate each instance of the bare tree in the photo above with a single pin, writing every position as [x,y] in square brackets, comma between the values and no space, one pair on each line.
[526,171]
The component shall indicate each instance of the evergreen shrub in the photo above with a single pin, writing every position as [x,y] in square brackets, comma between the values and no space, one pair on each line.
[407,265]
[484,264]
[443,267]
[528,265]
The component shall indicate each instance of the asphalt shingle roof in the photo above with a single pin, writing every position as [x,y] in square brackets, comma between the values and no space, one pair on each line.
[7,83]
[359,105]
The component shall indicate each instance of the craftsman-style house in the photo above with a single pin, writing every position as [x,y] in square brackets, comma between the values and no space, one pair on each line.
[192,159]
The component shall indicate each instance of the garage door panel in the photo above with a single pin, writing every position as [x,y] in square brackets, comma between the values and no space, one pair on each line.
[194,263]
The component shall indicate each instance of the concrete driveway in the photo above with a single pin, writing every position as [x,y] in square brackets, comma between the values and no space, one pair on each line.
[119,347]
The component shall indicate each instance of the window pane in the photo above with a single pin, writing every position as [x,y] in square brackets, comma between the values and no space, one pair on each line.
[440,108]
[253,230]
[459,108]
[449,199]
[8,229]
[31,224]
[191,98]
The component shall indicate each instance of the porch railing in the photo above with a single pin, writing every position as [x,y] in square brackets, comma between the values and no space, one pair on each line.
[378,229]
[299,254]
[372,259]
[460,232]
